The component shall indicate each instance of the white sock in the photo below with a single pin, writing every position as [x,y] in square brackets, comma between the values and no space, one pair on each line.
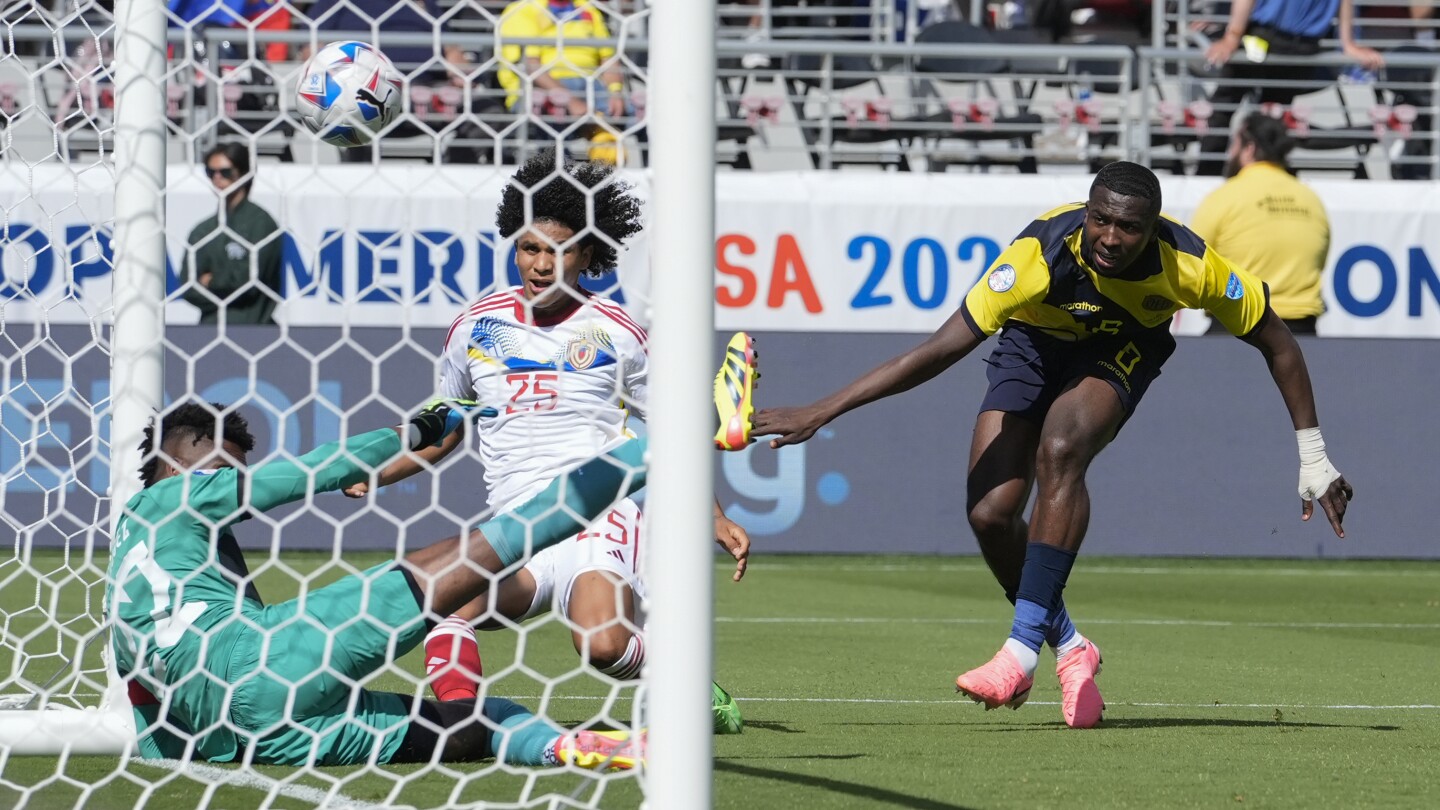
[629,666]
[1028,658]
[1076,642]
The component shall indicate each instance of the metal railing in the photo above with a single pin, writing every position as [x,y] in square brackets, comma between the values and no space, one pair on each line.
[838,102]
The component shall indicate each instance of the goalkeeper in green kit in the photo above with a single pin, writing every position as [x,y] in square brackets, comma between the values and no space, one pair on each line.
[216,674]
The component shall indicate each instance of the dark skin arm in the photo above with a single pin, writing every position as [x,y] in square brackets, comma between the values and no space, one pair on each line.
[1287,367]
[943,349]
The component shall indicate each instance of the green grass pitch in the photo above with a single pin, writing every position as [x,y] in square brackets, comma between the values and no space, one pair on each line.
[1233,683]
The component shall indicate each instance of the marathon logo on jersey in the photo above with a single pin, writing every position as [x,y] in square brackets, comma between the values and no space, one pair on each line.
[1157,303]
[1234,290]
[1002,278]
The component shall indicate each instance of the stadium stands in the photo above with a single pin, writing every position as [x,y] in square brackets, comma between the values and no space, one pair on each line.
[845,83]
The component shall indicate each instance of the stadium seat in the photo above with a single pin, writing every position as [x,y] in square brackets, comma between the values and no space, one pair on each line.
[735,128]
[865,121]
[977,114]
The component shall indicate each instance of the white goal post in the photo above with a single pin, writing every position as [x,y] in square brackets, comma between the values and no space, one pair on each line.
[128,123]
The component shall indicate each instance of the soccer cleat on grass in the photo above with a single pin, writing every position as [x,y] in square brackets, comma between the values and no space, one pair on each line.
[1001,682]
[601,750]
[734,393]
[727,711]
[1080,701]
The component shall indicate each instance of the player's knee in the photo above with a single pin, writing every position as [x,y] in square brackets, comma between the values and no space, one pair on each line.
[989,522]
[606,648]
[1062,454]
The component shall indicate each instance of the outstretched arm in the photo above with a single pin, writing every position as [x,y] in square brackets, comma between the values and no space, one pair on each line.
[951,342]
[1318,479]
[407,464]
[732,537]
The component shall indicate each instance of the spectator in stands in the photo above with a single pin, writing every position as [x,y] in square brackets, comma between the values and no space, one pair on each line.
[371,21]
[571,69]
[1268,222]
[1272,27]
[269,15]
[194,13]
[233,259]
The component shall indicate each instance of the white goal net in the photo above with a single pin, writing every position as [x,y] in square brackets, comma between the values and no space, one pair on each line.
[494,243]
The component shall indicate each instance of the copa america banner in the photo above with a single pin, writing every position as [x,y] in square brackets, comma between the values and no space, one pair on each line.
[407,244]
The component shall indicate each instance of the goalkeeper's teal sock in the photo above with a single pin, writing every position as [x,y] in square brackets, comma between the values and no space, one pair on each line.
[568,504]
[517,736]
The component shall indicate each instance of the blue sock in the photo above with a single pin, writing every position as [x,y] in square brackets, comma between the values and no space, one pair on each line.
[1061,628]
[1029,625]
[567,505]
[518,737]
[1041,581]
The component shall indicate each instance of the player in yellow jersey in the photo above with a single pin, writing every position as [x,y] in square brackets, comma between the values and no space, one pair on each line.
[1082,300]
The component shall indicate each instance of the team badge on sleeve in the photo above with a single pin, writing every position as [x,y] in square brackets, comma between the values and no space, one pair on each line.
[1234,290]
[1001,278]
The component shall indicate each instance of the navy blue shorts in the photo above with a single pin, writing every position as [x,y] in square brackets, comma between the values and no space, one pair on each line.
[1029,368]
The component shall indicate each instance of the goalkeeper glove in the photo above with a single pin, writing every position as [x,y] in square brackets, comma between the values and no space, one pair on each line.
[440,418]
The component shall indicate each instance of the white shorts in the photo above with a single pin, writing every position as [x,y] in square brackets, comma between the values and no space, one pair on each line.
[611,543]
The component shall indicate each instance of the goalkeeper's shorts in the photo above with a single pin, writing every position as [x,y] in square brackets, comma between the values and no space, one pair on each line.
[295,667]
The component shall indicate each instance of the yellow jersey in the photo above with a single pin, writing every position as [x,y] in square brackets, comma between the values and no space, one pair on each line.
[1041,280]
[1269,223]
[538,19]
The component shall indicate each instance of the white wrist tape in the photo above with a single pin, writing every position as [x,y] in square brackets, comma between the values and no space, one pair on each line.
[1316,472]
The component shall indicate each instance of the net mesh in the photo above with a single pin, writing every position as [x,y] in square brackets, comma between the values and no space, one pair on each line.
[322,309]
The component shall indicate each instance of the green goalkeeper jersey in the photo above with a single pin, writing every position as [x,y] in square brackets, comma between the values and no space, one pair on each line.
[177,582]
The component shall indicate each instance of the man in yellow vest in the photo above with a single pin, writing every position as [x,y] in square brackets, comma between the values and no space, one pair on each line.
[1268,222]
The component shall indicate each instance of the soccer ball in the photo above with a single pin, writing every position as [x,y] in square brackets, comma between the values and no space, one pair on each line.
[348,93]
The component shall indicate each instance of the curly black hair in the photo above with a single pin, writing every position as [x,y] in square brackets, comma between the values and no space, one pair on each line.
[539,193]
[1130,180]
[195,421]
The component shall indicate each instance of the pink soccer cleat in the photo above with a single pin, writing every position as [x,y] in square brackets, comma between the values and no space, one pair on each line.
[601,750]
[1002,682]
[1080,700]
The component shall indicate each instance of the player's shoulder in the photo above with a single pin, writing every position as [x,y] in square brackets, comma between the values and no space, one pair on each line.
[1054,225]
[615,314]
[1184,241]
[499,304]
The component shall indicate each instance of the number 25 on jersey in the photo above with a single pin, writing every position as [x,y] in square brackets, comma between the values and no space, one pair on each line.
[532,391]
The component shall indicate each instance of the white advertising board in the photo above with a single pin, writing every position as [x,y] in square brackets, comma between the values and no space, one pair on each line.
[795,251]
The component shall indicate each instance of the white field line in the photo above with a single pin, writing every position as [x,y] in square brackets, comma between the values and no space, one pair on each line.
[1078,620]
[201,772]
[1428,569]
[960,701]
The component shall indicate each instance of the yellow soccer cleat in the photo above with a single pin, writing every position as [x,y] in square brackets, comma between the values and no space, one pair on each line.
[734,392]
[602,750]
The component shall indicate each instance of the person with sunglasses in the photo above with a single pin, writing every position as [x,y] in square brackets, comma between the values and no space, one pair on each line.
[232,263]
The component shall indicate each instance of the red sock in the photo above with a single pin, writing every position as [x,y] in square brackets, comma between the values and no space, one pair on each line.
[139,695]
[452,660]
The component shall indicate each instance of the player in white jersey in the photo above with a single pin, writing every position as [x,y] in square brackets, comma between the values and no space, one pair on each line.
[566,370]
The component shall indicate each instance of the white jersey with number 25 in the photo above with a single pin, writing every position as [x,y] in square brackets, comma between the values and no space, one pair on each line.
[564,385]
